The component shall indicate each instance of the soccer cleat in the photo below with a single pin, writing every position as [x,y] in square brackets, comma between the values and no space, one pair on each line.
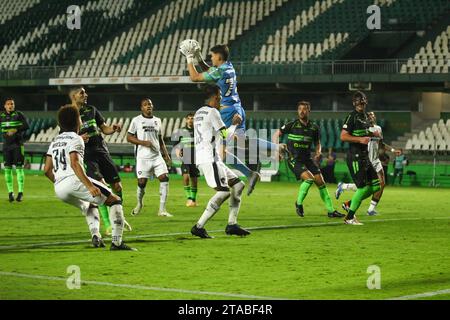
[127,225]
[19,197]
[353,222]
[335,214]
[346,206]
[339,190]
[252,181]
[122,246]
[200,232]
[236,230]
[299,209]
[11,197]
[136,210]
[97,242]
[372,213]
[164,214]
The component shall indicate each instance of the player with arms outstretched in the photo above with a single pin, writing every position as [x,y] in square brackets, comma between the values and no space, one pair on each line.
[209,131]
[64,168]
[151,155]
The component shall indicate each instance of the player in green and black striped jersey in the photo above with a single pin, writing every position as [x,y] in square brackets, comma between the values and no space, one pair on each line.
[185,151]
[302,135]
[355,131]
[13,125]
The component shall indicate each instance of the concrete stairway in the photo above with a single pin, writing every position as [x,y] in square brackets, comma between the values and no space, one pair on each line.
[401,141]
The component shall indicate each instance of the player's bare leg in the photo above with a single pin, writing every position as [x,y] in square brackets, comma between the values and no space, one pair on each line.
[140,192]
[163,193]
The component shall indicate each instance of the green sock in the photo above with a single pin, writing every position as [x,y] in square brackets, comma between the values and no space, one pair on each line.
[194,193]
[9,179]
[187,192]
[303,191]
[326,198]
[20,178]
[359,196]
[105,215]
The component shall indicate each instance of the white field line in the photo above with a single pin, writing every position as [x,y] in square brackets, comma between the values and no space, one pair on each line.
[157,235]
[141,287]
[422,295]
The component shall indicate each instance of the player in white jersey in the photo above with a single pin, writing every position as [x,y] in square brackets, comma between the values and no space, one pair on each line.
[209,130]
[373,149]
[151,155]
[64,167]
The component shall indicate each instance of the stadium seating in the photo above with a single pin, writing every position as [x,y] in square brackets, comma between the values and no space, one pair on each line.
[433,138]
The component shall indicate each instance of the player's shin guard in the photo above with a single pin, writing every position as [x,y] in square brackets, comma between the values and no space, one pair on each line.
[93,221]
[117,218]
[140,192]
[9,179]
[358,197]
[187,192]
[105,215]
[194,193]
[20,178]
[303,191]
[235,202]
[163,193]
[213,206]
[325,196]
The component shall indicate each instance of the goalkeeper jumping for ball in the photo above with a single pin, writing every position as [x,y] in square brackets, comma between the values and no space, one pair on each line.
[222,73]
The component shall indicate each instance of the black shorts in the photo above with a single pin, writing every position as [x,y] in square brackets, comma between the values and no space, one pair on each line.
[300,166]
[102,167]
[191,170]
[361,170]
[13,156]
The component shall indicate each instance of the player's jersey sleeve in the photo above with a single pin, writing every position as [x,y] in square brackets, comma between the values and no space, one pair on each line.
[212,75]
[216,120]
[132,129]
[349,123]
[286,128]
[98,118]
[76,145]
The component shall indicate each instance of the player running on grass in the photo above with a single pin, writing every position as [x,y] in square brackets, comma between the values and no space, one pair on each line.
[302,134]
[145,133]
[64,167]
[99,164]
[186,152]
[373,150]
[209,131]
[356,131]
[13,125]
[222,73]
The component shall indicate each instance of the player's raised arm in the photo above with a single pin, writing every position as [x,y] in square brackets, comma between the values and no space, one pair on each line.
[108,130]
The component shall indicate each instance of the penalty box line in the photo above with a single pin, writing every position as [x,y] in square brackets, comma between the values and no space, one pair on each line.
[142,287]
[157,235]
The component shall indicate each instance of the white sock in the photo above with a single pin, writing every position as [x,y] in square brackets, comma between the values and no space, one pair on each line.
[163,192]
[349,186]
[235,202]
[93,221]
[213,206]
[373,205]
[116,218]
[140,195]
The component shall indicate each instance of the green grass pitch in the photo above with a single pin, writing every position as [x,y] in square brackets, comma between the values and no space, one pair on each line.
[285,257]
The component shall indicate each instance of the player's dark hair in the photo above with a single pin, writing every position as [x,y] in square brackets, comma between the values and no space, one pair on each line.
[74,89]
[190,114]
[7,99]
[223,50]
[361,96]
[211,91]
[304,103]
[68,118]
[145,99]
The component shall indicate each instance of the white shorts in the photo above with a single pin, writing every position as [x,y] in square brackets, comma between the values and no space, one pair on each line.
[217,174]
[145,167]
[72,191]
[376,164]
